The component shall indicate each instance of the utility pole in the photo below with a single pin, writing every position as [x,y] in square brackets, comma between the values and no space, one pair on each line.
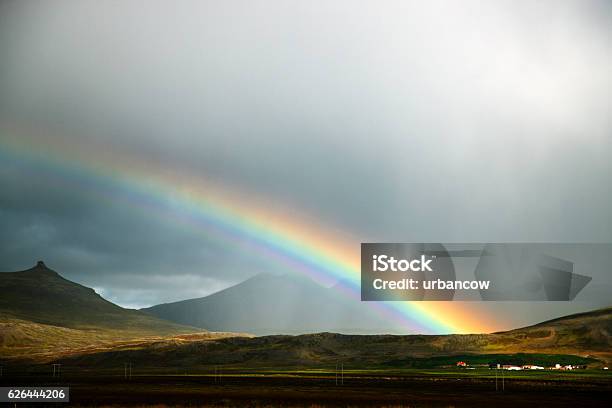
[342,371]
[503,385]
[56,370]
[336,372]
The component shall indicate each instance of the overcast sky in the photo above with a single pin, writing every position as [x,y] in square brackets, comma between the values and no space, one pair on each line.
[389,121]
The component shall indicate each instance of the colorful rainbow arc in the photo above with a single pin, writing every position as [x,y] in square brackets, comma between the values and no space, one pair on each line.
[298,245]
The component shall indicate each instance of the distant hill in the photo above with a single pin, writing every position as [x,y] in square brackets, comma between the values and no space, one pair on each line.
[271,304]
[41,312]
[582,339]
[581,331]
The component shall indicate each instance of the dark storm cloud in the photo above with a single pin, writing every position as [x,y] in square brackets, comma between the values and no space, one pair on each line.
[393,121]
[135,259]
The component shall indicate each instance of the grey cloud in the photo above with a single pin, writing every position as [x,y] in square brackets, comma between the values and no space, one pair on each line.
[393,121]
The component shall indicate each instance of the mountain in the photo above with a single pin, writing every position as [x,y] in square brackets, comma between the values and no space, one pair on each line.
[583,339]
[41,295]
[41,311]
[271,304]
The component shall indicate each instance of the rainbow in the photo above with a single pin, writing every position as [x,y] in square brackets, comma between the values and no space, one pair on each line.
[233,218]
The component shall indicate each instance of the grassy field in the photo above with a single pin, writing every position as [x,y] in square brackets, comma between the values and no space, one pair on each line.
[324,387]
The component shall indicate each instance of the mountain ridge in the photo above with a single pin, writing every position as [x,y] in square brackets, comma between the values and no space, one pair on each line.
[42,313]
[325,349]
[290,305]
[41,295]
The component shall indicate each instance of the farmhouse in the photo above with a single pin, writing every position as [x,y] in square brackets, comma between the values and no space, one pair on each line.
[511,367]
